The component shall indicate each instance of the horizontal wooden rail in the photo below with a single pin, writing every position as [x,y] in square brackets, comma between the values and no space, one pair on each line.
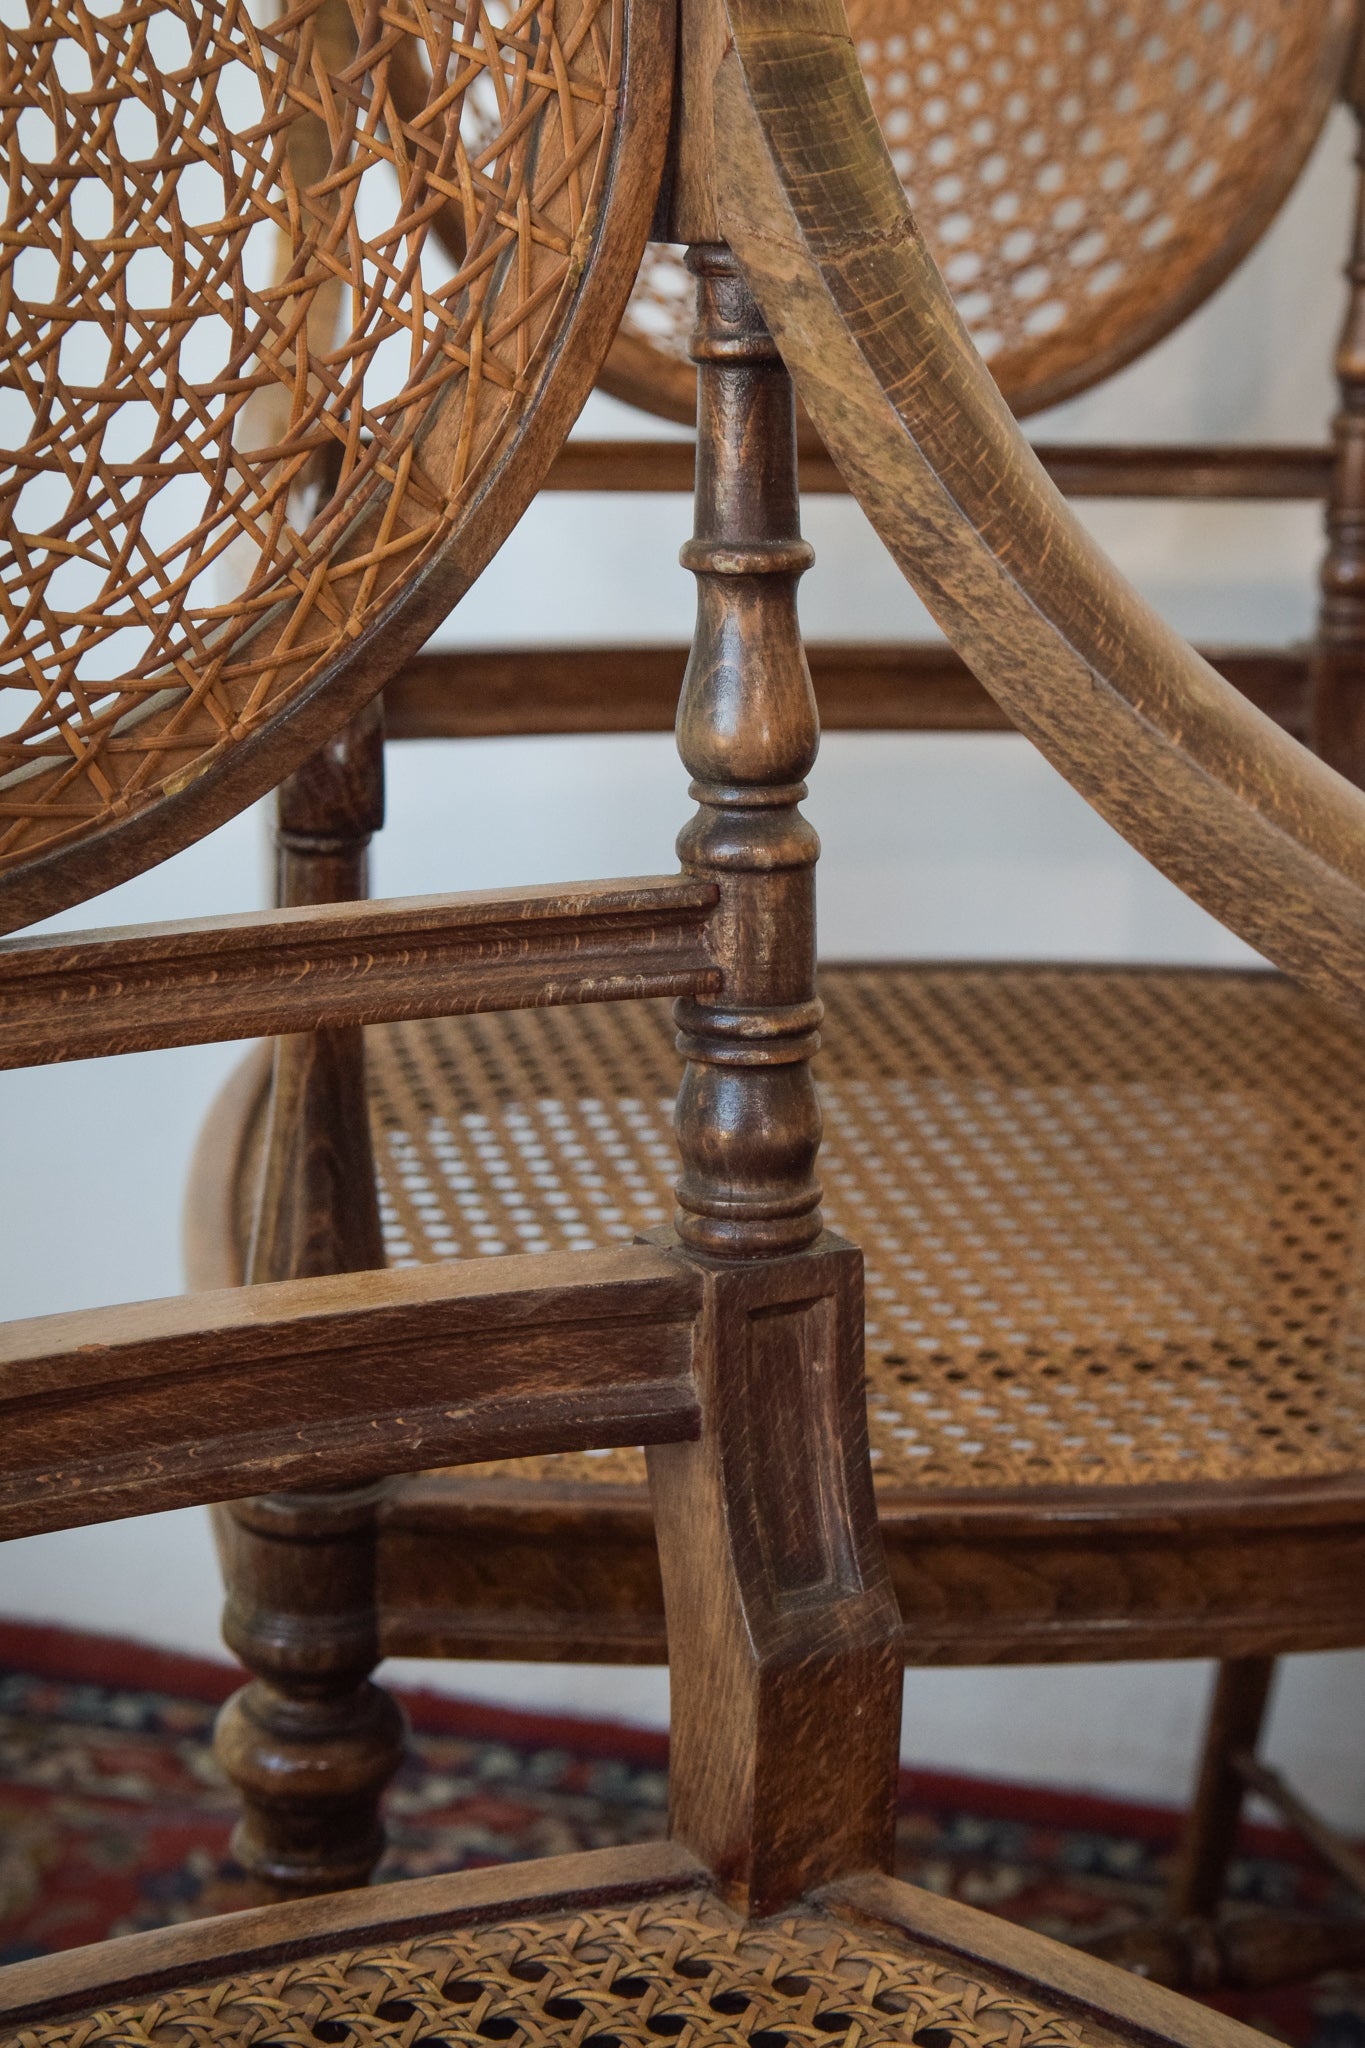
[861,687]
[1251,825]
[1199,470]
[204,1397]
[72,996]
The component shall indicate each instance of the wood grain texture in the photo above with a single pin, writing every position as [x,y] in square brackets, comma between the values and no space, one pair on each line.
[1339,665]
[317,1208]
[543,1570]
[1092,1990]
[747,1118]
[1236,1715]
[86,994]
[47,1985]
[1245,1951]
[1194,470]
[553,1568]
[310,1382]
[1061,283]
[1247,823]
[351,630]
[781,1621]
[860,686]
[311,1743]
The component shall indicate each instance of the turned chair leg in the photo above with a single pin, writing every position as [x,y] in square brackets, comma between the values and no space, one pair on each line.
[1338,687]
[311,1743]
[1236,1715]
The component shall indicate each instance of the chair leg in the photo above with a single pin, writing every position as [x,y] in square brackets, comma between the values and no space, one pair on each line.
[795,1626]
[1240,1696]
[1338,685]
[311,1743]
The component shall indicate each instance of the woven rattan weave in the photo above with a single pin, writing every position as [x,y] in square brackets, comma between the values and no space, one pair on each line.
[1086,171]
[680,1968]
[1114,1222]
[244,389]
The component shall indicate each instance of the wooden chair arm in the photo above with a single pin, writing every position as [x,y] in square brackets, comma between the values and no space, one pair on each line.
[85,995]
[1239,815]
[205,1397]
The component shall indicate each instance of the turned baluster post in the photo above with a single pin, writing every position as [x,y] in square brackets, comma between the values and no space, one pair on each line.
[1338,689]
[772,1512]
[310,1742]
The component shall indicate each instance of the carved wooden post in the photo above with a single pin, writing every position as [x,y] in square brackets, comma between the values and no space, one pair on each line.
[799,1628]
[310,1743]
[1339,654]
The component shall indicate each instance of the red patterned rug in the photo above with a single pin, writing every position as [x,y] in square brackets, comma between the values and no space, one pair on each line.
[113,1817]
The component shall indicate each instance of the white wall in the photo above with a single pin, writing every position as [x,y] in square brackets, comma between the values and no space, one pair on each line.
[964,846]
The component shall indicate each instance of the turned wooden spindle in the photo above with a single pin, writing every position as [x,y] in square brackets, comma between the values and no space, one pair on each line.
[781,1618]
[748,1120]
[311,1743]
[1338,688]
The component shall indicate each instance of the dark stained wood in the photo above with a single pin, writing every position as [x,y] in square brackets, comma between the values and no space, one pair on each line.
[781,1620]
[1246,822]
[545,1571]
[860,686]
[126,1410]
[780,1614]
[212,1251]
[85,994]
[747,1118]
[1197,470]
[1214,1570]
[473,1567]
[551,397]
[556,1569]
[311,1743]
[1249,1951]
[46,1986]
[782,1617]
[1090,1989]
[1241,1694]
[1339,669]
[317,1207]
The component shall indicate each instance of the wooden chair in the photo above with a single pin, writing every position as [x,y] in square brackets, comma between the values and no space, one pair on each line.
[1111,1216]
[730,1343]
[1087,177]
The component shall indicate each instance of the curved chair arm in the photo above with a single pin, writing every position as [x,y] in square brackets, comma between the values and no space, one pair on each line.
[1240,816]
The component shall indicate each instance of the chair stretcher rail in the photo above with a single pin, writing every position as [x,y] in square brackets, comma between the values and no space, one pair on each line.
[82,995]
[203,1397]
[860,686]
[1198,470]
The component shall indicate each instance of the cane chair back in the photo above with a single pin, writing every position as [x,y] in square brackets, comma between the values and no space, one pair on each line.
[1087,172]
[263,426]
[732,1344]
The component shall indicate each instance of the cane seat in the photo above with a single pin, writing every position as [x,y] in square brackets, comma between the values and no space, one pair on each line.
[1113,1220]
[1087,172]
[674,1963]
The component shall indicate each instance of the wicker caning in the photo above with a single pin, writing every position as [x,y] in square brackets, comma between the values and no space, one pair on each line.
[1114,1222]
[1086,171]
[682,1968]
[246,390]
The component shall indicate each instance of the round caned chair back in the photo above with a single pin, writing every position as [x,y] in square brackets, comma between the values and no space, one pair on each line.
[249,399]
[1085,171]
